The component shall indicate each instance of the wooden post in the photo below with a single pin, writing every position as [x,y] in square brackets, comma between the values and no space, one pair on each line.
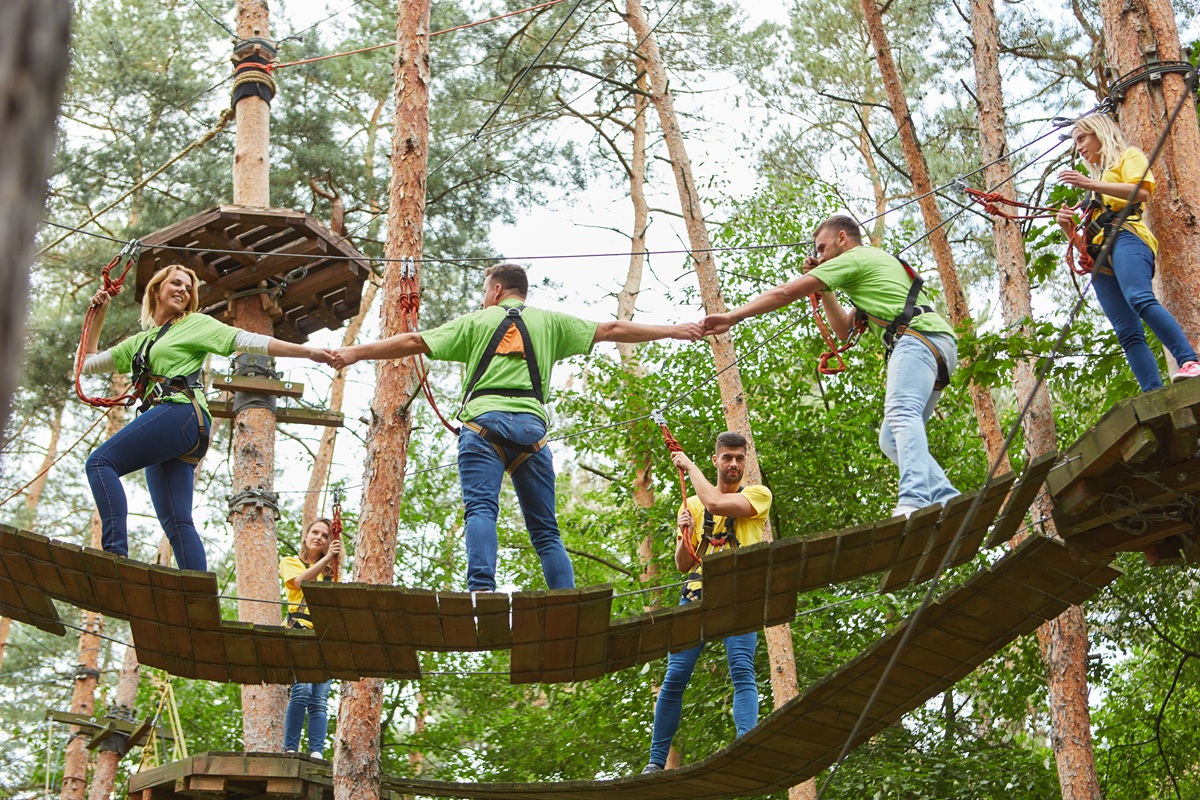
[939,242]
[1139,32]
[34,38]
[256,550]
[356,765]
[1063,641]
[733,399]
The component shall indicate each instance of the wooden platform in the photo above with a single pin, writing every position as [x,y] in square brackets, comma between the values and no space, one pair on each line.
[966,626]
[324,273]
[367,630]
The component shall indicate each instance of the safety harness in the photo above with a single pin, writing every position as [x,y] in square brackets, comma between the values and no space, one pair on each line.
[1100,219]
[335,532]
[708,540]
[892,330]
[157,388]
[510,338]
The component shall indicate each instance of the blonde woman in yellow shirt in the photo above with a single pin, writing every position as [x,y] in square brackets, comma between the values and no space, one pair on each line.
[319,552]
[1123,286]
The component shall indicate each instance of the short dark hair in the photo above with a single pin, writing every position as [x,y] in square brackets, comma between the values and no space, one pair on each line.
[731,441]
[511,276]
[841,222]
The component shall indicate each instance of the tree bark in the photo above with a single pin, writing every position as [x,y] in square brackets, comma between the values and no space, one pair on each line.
[1063,642]
[104,776]
[784,685]
[939,242]
[34,56]
[1137,31]
[356,766]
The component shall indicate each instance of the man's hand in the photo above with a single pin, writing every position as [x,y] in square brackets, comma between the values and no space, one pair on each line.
[687,331]
[320,356]
[343,357]
[682,461]
[716,324]
[1075,178]
[810,264]
[685,521]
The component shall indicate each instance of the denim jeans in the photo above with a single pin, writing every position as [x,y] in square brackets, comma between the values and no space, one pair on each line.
[1128,300]
[153,442]
[311,699]
[907,406]
[481,470]
[739,652]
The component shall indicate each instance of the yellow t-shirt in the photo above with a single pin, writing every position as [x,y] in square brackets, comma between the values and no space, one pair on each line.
[748,530]
[1129,169]
[290,567]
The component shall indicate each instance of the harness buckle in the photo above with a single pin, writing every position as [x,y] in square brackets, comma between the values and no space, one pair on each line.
[514,311]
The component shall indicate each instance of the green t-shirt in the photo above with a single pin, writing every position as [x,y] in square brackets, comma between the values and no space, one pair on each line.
[877,283]
[554,336]
[181,351]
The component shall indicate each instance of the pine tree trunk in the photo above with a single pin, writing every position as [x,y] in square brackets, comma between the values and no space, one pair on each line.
[104,776]
[1139,31]
[1063,641]
[956,299]
[34,56]
[356,766]
[733,399]
[5,629]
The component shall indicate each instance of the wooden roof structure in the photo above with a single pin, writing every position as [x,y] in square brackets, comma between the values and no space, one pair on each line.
[232,249]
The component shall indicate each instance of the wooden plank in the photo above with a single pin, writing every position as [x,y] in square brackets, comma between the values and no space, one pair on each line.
[456,611]
[918,539]
[1036,472]
[222,408]
[256,384]
[1139,446]
[1182,440]
[492,610]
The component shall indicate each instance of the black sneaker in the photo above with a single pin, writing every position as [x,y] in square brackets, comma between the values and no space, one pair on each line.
[652,767]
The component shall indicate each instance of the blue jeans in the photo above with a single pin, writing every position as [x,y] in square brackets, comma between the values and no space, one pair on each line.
[1128,300]
[739,652]
[481,470]
[907,406]
[311,699]
[153,442]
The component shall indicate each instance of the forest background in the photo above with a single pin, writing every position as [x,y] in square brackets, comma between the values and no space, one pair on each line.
[783,113]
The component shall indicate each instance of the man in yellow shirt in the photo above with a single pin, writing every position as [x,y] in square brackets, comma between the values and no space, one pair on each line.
[718,517]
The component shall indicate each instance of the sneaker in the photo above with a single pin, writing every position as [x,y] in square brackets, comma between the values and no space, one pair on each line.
[652,767]
[904,510]
[1189,370]
[317,754]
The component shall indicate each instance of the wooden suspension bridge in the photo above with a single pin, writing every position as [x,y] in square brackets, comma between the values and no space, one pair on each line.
[1131,483]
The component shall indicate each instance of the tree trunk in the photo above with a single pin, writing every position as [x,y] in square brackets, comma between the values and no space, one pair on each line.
[733,399]
[256,549]
[104,777]
[1137,32]
[5,629]
[34,493]
[1063,641]
[34,56]
[956,299]
[356,766]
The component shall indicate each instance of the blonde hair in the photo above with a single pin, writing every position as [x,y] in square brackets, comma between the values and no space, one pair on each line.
[1112,142]
[311,558]
[150,296]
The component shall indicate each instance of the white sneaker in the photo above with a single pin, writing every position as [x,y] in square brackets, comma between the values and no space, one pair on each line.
[904,510]
[1189,370]
[317,754]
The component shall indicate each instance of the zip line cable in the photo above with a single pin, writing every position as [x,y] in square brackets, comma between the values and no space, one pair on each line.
[1014,428]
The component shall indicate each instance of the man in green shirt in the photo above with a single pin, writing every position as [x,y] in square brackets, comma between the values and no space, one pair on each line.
[509,350]
[922,353]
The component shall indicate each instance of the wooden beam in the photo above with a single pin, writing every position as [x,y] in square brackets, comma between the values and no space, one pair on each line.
[223,409]
[257,385]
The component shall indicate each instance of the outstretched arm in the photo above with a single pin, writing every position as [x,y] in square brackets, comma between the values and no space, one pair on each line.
[398,346]
[626,332]
[768,301]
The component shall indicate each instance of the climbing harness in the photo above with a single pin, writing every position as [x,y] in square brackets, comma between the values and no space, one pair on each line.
[708,539]
[892,330]
[1100,220]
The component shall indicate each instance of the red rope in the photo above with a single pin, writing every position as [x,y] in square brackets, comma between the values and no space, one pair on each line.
[335,534]
[674,447]
[129,254]
[1076,239]
[410,305]
[835,350]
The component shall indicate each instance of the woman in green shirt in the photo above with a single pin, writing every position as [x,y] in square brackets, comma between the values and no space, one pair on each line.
[171,437]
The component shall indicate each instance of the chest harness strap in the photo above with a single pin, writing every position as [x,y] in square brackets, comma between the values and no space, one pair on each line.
[1101,220]
[512,319]
[160,387]
[899,326]
[708,540]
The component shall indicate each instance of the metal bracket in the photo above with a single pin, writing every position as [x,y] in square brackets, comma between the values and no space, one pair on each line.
[258,496]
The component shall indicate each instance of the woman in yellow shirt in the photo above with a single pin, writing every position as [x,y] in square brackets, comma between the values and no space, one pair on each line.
[1123,286]
[319,551]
